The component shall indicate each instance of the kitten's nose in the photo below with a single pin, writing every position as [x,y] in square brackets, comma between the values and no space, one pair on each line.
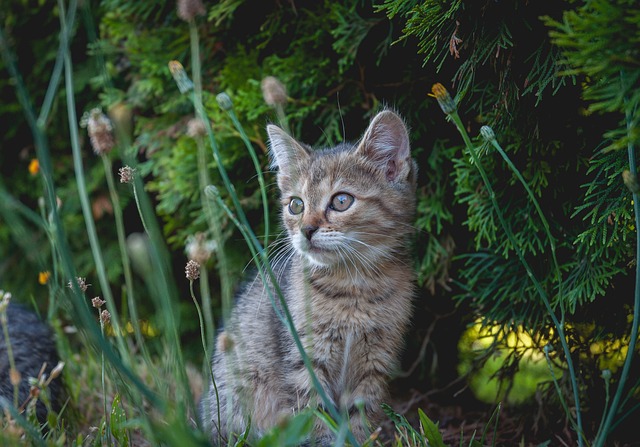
[308,231]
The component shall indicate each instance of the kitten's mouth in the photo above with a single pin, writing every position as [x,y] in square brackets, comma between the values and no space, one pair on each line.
[316,255]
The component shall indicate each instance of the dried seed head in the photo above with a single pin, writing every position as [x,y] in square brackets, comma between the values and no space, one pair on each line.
[100,131]
[55,372]
[189,9]
[97,302]
[127,174]
[273,91]
[447,104]
[199,249]
[192,270]
[14,377]
[105,316]
[196,128]
[34,392]
[82,284]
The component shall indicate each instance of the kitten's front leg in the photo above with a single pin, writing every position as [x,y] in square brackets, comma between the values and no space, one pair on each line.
[363,404]
[307,396]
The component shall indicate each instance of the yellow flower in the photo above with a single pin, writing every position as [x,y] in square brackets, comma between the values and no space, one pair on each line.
[34,166]
[43,277]
[444,98]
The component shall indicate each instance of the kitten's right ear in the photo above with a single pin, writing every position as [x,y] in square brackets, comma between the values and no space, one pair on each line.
[286,152]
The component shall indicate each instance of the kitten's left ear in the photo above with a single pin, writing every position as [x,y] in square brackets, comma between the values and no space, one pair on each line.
[386,143]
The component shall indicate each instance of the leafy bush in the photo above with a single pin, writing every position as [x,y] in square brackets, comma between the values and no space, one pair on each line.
[561,94]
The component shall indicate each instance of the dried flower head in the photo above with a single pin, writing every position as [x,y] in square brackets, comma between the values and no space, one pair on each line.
[199,249]
[14,377]
[55,372]
[100,131]
[196,128]
[34,392]
[127,174]
[447,104]
[273,91]
[180,76]
[82,284]
[192,270]
[97,302]
[105,316]
[189,9]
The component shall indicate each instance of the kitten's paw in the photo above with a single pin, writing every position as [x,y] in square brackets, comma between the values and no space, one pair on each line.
[321,441]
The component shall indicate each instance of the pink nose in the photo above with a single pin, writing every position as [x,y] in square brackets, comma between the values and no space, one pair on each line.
[309,230]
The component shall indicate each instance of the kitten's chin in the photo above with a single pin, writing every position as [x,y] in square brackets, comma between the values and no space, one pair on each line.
[317,259]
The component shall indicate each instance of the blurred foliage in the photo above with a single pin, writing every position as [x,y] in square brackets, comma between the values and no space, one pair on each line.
[556,101]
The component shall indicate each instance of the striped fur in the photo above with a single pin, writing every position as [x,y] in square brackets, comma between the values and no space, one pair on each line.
[346,277]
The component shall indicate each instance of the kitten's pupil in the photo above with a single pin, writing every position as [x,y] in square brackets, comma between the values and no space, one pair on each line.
[296,205]
[342,201]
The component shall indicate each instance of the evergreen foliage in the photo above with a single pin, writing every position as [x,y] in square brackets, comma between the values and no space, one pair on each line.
[558,82]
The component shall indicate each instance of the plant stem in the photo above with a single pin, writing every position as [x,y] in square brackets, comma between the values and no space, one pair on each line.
[258,168]
[207,352]
[613,410]
[507,230]
[12,361]
[126,264]
[107,425]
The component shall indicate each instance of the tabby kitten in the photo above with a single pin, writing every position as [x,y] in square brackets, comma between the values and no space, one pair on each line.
[346,278]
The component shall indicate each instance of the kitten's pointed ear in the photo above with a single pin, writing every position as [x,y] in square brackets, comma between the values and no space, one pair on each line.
[386,143]
[286,152]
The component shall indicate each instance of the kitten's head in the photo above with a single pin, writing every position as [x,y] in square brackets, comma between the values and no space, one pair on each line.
[351,205]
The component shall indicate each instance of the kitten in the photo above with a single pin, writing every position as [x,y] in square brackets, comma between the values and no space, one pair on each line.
[346,278]
[32,346]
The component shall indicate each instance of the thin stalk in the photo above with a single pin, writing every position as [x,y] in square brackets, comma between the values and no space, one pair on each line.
[12,361]
[207,353]
[536,204]
[203,180]
[103,379]
[613,410]
[607,383]
[126,264]
[54,80]
[559,327]
[258,168]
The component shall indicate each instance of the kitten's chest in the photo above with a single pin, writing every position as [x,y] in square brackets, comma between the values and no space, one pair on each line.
[335,313]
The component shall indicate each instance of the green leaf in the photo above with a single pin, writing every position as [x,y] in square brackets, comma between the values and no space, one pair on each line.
[119,421]
[430,430]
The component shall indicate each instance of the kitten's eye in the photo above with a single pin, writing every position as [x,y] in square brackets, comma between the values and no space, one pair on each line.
[296,205]
[341,201]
